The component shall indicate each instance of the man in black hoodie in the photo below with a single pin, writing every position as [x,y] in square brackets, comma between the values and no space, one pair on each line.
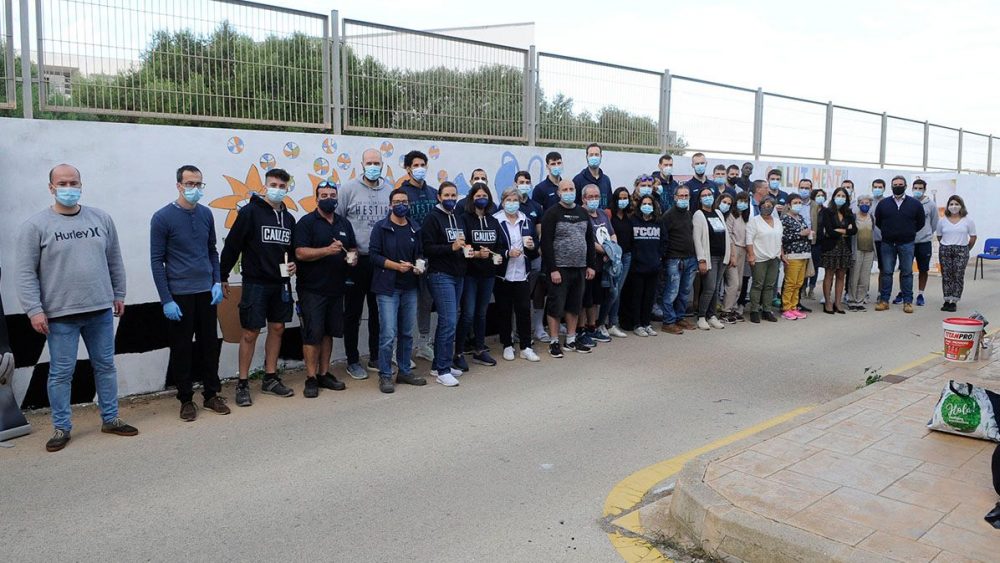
[262,235]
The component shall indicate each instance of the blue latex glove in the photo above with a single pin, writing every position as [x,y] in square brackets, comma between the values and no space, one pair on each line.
[172,311]
[217,294]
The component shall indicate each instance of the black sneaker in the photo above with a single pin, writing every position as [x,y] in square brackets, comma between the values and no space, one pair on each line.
[585,339]
[577,346]
[755,318]
[372,365]
[328,381]
[458,362]
[58,440]
[555,350]
[119,428]
[803,308]
[311,390]
[484,358]
[410,379]
[243,394]
[274,386]
[188,411]
[385,385]
[769,317]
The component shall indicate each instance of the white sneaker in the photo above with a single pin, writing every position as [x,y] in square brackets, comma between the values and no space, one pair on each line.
[714,322]
[617,332]
[543,337]
[508,353]
[640,331]
[426,351]
[455,372]
[703,324]
[447,380]
[650,331]
[530,355]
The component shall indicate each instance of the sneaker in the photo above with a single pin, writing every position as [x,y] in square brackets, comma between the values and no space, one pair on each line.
[555,350]
[578,346]
[459,363]
[650,331]
[907,307]
[799,314]
[860,308]
[543,337]
[217,405]
[585,339]
[508,353]
[604,333]
[617,332]
[598,336]
[945,307]
[715,323]
[686,324]
[328,381]
[243,395]
[640,331]
[898,299]
[119,428]
[769,316]
[738,317]
[311,390]
[673,328]
[952,307]
[426,351]
[58,440]
[881,306]
[803,309]
[703,324]
[789,316]
[410,379]
[274,386]
[447,379]
[455,372]
[755,318]
[356,371]
[189,412]
[920,300]
[372,365]
[385,385]
[530,355]
[484,358]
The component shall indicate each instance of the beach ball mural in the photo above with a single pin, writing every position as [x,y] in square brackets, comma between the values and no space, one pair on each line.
[344,161]
[434,152]
[291,150]
[321,166]
[235,145]
[329,145]
[267,161]
[442,176]
[386,148]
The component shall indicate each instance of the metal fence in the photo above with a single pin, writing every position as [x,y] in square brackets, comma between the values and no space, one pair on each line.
[239,62]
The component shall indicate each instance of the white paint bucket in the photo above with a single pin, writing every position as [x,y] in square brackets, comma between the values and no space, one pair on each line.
[961,339]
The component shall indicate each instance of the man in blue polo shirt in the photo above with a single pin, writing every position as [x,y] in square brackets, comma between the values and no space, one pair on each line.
[700,180]
[667,185]
[422,199]
[593,174]
[546,193]
[898,218]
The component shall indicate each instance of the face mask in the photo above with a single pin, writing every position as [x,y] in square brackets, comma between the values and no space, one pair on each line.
[667,170]
[523,189]
[192,195]
[622,203]
[401,210]
[373,171]
[720,180]
[732,180]
[68,197]
[682,203]
[646,208]
[481,202]
[276,195]
[568,197]
[774,184]
[864,207]
[821,199]
[556,171]
[699,169]
[742,205]
[511,207]
[766,211]
[419,173]
[804,194]
[955,208]
[449,204]
[645,190]
[877,192]
[327,205]
[593,161]
[797,207]
[918,193]
[839,201]
[724,207]
[592,204]
[707,201]
[899,190]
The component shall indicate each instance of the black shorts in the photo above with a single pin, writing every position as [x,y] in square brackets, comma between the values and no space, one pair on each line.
[566,296]
[922,253]
[322,315]
[594,294]
[262,304]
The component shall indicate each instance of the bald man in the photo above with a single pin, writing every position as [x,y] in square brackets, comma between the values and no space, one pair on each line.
[363,202]
[71,283]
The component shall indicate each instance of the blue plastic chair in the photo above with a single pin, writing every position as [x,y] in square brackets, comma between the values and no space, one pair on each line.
[991,251]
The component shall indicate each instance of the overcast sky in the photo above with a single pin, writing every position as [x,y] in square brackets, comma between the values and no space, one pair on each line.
[915,59]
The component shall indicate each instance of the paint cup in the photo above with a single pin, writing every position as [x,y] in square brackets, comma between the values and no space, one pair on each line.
[467,250]
[283,268]
[529,242]
[497,259]
[420,266]
[352,257]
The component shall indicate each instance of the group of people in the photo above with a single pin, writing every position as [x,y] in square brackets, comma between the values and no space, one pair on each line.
[571,256]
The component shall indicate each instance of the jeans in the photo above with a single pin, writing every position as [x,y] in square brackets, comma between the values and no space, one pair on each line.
[680,274]
[198,319]
[891,252]
[447,292]
[765,277]
[358,291]
[710,281]
[476,293]
[98,334]
[609,309]
[397,313]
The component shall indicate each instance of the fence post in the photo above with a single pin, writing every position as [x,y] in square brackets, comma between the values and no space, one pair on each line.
[334,78]
[989,155]
[927,142]
[828,140]
[882,143]
[961,135]
[27,96]
[530,96]
[327,82]
[665,86]
[758,122]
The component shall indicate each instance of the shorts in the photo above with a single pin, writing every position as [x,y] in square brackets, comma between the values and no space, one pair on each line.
[594,294]
[566,296]
[262,304]
[322,315]
[922,254]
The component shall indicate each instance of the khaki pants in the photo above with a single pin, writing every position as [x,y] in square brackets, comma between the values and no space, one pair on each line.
[861,276]
[795,276]
[734,278]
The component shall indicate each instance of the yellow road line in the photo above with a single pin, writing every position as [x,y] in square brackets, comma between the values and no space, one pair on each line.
[914,363]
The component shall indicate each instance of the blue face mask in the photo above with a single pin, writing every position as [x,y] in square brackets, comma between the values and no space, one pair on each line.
[719,180]
[276,195]
[918,193]
[707,201]
[839,201]
[481,202]
[667,170]
[774,184]
[524,189]
[449,204]
[556,171]
[373,171]
[645,190]
[419,173]
[742,205]
[68,197]
[699,169]
[622,204]
[821,199]
[724,207]
[804,194]
[593,161]
[797,207]
[593,204]
[877,192]
[646,208]
[192,195]
[327,205]
[511,207]
[864,207]
[682,203]
[568,197]
[401,210]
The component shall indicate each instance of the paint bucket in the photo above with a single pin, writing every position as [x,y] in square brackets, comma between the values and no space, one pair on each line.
[961,339]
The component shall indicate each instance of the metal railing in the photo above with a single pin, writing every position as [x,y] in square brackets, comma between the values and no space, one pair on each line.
[239,62]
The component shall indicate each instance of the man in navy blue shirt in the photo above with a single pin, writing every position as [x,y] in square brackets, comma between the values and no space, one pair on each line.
[185,266]
[593,174]
[700,180]
[667,185]
[774,190]
[546,192]
[731,186]
[898,218]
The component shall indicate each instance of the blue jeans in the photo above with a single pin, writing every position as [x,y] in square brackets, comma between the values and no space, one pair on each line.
[98,334]
[397,313]
[609,309]
[680,274]
[447,292]
[475,299]
[891,252]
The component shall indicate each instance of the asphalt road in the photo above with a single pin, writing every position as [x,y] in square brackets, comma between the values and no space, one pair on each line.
[513,465]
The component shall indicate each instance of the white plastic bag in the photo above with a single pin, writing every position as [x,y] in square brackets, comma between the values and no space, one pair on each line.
[966,410]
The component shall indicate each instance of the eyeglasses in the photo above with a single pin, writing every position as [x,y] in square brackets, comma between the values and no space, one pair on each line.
[326,184]
[644,178]
[199,185]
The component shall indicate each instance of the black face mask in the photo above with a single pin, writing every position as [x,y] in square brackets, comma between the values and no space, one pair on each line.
[899,190]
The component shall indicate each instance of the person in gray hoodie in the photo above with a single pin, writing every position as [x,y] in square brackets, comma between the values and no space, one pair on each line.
[71,283]
[922,248]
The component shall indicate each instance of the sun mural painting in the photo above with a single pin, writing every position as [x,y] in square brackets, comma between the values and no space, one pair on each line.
[241,195]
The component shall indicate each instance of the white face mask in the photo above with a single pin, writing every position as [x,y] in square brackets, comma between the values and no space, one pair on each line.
[955,208]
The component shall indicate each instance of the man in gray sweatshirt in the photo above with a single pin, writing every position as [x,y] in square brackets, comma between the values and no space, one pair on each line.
[922,247]
[71,283]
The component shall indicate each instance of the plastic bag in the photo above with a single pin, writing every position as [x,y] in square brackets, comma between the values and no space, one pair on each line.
[967,410]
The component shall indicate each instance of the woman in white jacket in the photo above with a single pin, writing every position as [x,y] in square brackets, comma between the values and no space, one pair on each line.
[711,246]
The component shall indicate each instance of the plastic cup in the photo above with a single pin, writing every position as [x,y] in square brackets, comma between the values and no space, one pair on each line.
[352,257]
[467,250]
[421,265]
[528,242]
[497,259]
[283,268]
